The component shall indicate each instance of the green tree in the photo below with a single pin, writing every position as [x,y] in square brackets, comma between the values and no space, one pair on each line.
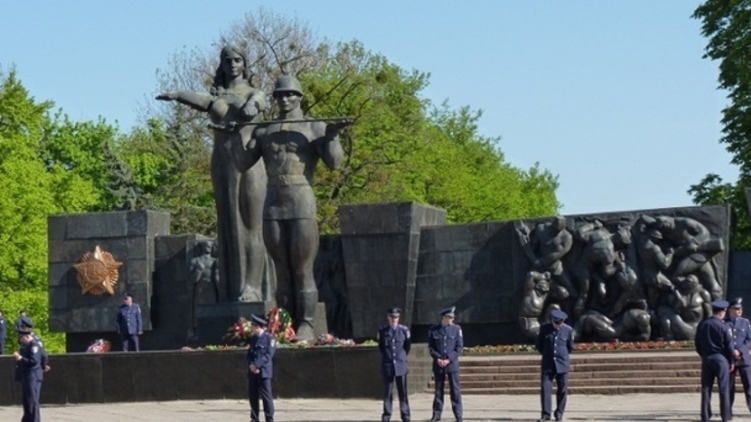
[34,186]
[727,25]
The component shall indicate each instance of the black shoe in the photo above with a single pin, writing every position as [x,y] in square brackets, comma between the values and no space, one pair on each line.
[543,419]
[435,419]
[559,417]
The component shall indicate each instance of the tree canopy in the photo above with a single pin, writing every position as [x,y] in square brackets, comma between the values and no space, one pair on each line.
[727,25]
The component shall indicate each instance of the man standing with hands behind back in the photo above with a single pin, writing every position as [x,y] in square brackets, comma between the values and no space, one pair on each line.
[741,329]
[394,344]
[446,344]
[555,342]
[714,343]
[129,324]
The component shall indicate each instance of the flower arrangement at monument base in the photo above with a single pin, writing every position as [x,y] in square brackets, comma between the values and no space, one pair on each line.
[280,325]
[613,346]
[239,332]
[99,346]
[330,340]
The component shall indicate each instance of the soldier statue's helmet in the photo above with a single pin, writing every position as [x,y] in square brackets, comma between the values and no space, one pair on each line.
[558,316]
[287,83]
[719,305]
[448,312]
[737,303]
[256,320]
[394,312]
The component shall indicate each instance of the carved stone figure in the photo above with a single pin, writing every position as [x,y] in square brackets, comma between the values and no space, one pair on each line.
[686,306]
[535,291]
[545,247]
[598,260]
[239,195]
[291,148]
[655,262]
[694,247]
[205,273]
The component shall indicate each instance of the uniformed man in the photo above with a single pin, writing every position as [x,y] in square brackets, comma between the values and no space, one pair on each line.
[714,343]
[129,324]
[260,370]
[555,342]
[31,361]
[446,344]
[394,343]
[741,329]
[3,332]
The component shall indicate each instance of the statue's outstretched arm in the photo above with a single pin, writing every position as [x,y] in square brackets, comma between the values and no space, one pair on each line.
[200,101]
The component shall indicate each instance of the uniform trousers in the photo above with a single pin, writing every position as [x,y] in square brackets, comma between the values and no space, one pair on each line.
[388,397]
[31,386]
[715,366]
[561,393]
[745,373]
[130,342]
[260,388]
[454,389]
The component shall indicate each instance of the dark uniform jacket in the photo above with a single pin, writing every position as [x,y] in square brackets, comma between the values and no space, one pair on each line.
[394,344]
[33,360]
[129,320]
[555,347]
[445,342]
[741,329]
[713,336]
[261,354]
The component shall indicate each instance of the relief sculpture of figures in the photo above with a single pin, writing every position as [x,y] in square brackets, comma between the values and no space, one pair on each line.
[239,195]
[684,308]
[694,247]
[598,260]
[535,291]
[291,148]
[545,247]
[631,278]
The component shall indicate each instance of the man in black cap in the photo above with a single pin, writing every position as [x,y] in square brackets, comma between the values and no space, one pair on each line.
[446,344]
[394,343]
[555,342]
[260,369]
[741,329]
[31,365]
[128,323]
[714,343]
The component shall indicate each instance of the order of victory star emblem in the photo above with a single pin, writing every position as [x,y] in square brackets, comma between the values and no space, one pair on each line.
[98,272]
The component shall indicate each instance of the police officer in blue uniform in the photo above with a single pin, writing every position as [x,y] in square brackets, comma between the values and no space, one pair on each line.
[714,343]
[3,332]
[394,343]
[741,329]
[129,324]
[260,370]
[446,344]
[555,342]
[31,360]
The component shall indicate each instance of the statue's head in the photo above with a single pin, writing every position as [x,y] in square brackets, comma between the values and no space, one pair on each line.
[225,57]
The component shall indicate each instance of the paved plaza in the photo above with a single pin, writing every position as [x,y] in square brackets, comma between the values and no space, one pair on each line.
[633,407]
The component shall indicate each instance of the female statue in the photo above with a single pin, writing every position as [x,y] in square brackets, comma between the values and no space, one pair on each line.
[239,196]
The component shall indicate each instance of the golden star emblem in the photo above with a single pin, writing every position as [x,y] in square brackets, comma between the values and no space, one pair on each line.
[98,272]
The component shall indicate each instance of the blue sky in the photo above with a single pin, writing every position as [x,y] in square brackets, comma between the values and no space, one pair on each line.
[613,97]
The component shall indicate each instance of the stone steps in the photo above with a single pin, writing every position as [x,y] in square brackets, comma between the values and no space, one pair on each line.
[592,373]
